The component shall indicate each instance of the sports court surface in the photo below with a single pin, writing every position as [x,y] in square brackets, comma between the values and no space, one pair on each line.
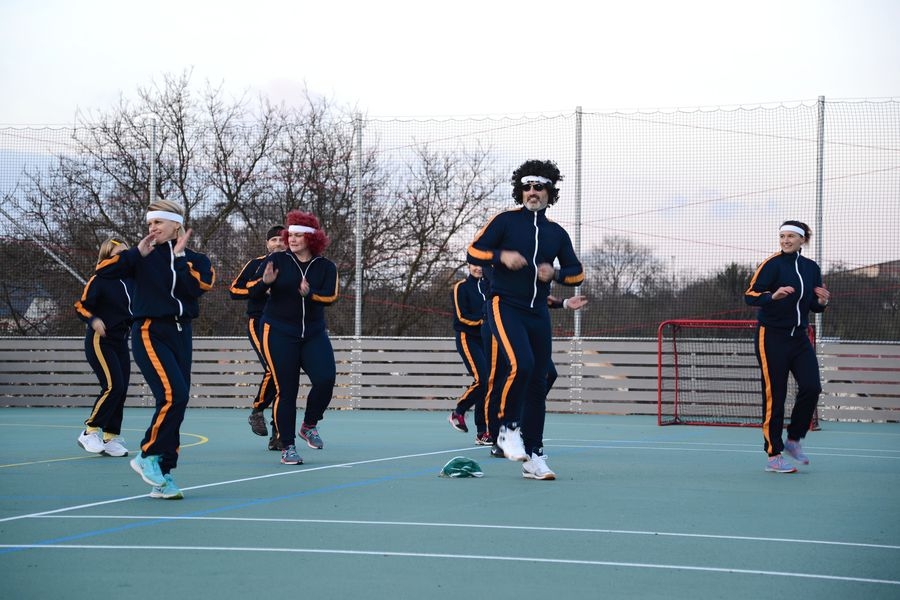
[637,511]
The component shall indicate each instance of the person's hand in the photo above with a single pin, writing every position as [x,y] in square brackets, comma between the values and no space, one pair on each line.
[270,273]
[823,295]
[146,245]
[99,326]
[545,272]
[181,242]
[783,292]
[304,287]
[512,260]
[575,302]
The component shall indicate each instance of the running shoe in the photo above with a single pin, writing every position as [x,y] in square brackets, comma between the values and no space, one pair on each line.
[484,439]
[310,435]
[458,421]
[536,468]
[148,468]
[777,464]
[258,423]
[167,491]
[796,452]
[115,447]
[510,441]
[289,456]
[92,442]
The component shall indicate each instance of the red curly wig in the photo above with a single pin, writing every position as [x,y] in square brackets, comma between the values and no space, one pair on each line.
[317,241]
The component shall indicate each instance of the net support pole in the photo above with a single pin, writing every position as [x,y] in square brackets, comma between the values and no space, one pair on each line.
[153,159]
[576,350]
[820,157]
[358,258]
[579,159]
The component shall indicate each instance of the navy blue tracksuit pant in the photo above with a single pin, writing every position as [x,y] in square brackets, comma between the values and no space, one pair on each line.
[288,354]
[471,348]
[525,337]
[265,395]
[784,352]
[163,349]
[109,358]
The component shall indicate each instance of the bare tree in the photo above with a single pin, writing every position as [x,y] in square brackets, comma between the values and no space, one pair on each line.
[620,266]
[423,232]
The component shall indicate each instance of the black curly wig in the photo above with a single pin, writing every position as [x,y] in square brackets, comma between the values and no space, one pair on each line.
[541,168]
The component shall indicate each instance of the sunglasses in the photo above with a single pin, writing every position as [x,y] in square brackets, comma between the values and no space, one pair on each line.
[538,187]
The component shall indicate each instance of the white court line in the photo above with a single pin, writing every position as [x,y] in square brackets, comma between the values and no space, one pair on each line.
[757,447]
[289,470]
[468,557]
[482,526]
[295,471]
[812,453]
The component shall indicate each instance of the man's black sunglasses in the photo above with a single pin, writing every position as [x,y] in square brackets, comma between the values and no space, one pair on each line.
[538,187]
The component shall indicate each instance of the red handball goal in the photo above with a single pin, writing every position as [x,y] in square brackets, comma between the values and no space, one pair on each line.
[708,374]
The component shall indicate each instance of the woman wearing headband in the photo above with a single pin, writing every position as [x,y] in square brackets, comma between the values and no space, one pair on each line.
[105,306]
[300,283]
[786,287]
[169,279]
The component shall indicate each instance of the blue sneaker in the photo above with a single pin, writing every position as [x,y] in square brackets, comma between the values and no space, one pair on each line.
[168,491]
[148,468]
[796,452]
[777,464]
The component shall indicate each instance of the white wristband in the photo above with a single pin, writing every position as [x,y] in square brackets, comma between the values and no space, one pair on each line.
[566,303]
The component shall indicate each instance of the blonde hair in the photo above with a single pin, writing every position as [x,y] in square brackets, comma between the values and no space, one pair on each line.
[106,248]
[168,206]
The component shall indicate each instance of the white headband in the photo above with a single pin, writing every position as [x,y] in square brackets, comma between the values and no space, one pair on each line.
[798,230]
[300,229]
[164,214]
[536,179]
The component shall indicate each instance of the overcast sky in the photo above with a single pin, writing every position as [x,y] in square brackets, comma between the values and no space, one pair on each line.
[424,58]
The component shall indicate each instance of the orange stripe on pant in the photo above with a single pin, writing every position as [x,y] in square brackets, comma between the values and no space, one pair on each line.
[511,355]
[768,401]
[163,377]
[107,376]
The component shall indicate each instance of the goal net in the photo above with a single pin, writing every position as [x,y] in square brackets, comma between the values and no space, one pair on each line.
[708,374]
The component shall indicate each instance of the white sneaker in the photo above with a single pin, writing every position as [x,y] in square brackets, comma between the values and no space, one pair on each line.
[115,447]
[536,468]
[510,441]
[92,442]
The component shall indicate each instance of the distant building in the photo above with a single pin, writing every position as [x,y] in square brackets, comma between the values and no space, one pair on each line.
[25,311]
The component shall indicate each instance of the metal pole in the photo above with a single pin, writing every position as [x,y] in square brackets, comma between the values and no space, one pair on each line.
[357,316]
[152,161]
[577,233]
[820,156]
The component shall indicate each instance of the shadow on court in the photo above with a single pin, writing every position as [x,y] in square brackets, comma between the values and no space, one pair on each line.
[637,511]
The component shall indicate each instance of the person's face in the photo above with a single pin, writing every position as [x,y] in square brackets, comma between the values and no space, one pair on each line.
[118,249]
[163,230]
[790,242]
[275,243]
[297,242]
[535,196]
[475,271]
